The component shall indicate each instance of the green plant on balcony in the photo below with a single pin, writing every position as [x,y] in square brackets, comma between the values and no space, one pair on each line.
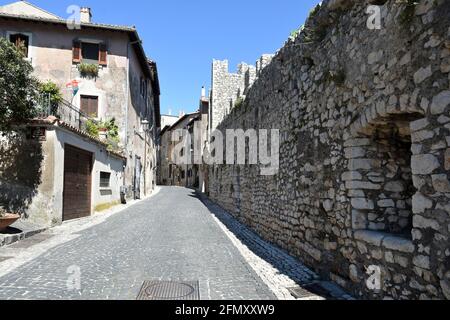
[50,94]
[88,70]
[92,128]
[109,127]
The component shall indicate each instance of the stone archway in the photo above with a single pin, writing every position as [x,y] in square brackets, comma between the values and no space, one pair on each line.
[379,179]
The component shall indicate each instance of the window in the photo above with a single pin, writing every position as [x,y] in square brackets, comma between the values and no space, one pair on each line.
[143,88]
[89,106]
[90,53]
[22,43]
[105,179]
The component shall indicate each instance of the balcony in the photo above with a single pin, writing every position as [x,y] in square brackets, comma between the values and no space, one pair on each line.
[64,111]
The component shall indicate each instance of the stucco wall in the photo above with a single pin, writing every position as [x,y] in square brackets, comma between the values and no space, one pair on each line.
[117,86]
[330,91]
[32,174]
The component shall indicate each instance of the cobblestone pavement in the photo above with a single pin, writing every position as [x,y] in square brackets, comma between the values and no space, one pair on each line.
[170,236]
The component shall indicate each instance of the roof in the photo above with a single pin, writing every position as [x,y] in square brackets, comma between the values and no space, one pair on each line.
[53,121]
[49,18]
[186,116]
[29,8]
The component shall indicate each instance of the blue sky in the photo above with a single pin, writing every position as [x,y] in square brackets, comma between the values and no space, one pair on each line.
[184,36]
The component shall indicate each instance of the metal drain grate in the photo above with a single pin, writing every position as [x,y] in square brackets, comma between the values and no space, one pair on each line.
[169,290]
[309,291]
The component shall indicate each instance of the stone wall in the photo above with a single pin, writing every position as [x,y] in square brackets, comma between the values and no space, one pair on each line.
[227,88]
[363,187]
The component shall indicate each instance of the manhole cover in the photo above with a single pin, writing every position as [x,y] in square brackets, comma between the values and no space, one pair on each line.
[309,291]
[169,290]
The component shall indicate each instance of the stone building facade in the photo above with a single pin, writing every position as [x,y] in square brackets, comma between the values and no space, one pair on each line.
[126,88]
[227,88]
[172,173]
[363,190]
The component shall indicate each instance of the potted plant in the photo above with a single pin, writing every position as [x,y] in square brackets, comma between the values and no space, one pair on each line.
[7,219]
[88,70]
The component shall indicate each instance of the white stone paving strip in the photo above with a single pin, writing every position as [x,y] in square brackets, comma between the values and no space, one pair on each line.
[61,234]
[272,277]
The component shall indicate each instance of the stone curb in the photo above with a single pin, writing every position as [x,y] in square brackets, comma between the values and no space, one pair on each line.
[6,240]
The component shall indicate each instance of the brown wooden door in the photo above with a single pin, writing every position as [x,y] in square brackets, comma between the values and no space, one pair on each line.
[77,183]
[89,106]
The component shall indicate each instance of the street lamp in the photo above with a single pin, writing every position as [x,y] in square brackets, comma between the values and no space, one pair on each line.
[145,125]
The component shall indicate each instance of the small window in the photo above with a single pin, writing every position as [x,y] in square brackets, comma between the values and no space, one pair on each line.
[143,88]
[21,42]
[90,53]
[105,179]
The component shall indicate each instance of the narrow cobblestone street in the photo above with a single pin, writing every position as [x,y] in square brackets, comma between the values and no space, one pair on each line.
[170,236]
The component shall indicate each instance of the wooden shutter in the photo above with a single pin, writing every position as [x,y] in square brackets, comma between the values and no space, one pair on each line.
[103,55]
[76,52]
[89,106]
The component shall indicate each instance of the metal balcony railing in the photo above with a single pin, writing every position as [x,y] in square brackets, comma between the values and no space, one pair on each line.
[64,111]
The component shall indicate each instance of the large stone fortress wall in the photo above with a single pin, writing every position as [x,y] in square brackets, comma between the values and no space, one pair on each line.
[228,87]
[365,148]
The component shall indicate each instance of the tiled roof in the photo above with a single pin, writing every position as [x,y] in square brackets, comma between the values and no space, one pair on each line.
[134,36]
[53,121]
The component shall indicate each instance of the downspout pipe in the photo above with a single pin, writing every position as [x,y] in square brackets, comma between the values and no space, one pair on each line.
[127,103]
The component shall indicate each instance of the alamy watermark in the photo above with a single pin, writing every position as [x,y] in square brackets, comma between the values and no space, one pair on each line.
[374,20]
[232,147]
[73,282]
[374,281]
[74,19]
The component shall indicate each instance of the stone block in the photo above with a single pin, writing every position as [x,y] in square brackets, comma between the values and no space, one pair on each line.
[420,203]
[441,183]
[372,237]
[386,203]
[395,186]
[424,164]
[422,262]
[447,160]
[419,124]
[359,220]
[440,102]
[363,164]
[420,222]
[362,185]
[362,204]
[398,244]
[354,152]
[402,261]
[351,176]
[422,74]
[359,142]
[445,286]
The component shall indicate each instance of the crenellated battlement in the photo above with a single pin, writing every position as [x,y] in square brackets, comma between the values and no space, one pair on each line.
[228,87]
